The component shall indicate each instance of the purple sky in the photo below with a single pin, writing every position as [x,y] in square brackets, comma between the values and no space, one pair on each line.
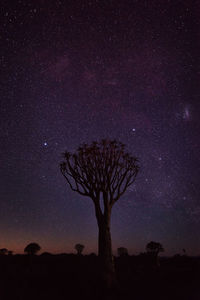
[78,71]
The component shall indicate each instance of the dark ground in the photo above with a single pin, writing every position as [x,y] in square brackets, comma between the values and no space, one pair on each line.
[70,276]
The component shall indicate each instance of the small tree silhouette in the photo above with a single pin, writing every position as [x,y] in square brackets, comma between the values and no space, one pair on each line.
[153,249]
[122,251]
[102,171]
[3,251]
[32,248]
[79,248]
[184,252]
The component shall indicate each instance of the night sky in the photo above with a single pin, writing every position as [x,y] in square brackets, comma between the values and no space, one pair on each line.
[78,71]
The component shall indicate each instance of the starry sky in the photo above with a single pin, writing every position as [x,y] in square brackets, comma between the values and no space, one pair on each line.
[78,71]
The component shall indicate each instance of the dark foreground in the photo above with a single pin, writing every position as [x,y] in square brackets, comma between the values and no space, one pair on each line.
[77,277]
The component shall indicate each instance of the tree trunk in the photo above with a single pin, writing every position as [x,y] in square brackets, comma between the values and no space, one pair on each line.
[105,248]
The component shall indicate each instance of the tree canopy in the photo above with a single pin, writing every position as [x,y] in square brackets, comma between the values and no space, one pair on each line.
[79,248]
[100,167]
[154,247]
[32,248]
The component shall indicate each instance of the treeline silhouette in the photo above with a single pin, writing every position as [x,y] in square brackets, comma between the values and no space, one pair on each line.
[152,248]
[64,276]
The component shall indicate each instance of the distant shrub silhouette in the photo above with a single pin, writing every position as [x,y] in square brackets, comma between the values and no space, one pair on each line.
[79,248]
[153,249]
[122,251]
[92,254]
[177,255]
[184,252]
[45,254]
[3,251]
[10,252]
[32,248]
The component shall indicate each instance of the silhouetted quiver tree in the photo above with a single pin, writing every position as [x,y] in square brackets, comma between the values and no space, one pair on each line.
[32,248]
[79,248]
[184,252]
[102,171]
[153,249]
[3,251]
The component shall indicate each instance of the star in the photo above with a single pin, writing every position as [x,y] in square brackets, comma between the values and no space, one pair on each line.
[186,113]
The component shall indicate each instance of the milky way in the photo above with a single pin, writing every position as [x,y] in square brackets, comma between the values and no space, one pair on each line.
[78,71]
